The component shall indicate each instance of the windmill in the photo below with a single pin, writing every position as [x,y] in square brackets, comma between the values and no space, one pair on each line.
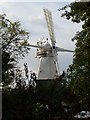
[47,53]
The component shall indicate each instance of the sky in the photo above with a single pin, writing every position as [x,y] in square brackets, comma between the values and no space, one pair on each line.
[38,0]
[31,17]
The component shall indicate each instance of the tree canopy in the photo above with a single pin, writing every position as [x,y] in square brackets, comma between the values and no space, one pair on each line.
[13,37]
[14,45]
[79,71]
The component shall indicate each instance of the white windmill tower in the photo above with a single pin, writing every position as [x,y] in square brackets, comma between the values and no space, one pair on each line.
[47,53]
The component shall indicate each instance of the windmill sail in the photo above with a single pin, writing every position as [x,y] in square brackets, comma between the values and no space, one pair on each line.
[48,16]
[58,49]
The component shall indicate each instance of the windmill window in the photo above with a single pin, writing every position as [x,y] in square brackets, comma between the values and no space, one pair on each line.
[56,71]
[54,62]
[53,47]
[40,71]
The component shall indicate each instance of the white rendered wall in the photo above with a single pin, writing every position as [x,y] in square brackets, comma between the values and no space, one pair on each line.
[47,68]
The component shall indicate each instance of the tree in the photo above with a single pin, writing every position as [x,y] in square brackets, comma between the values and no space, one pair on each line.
[14,39]
[50,100]
[79,71]
[14,45]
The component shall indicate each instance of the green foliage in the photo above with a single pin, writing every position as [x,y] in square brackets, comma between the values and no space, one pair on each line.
[14,45]
[14,39]
[50,100]
[77,11]
[7,68]
[79,71]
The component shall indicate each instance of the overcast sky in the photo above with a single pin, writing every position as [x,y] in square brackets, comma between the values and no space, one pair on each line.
[32,19]
[38,0]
